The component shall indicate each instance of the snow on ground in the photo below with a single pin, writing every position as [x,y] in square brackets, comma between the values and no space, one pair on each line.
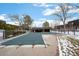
[65,47]
[76,36]
[71,33]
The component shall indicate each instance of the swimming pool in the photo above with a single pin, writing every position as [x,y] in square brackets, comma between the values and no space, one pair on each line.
[28,39]
[32,38]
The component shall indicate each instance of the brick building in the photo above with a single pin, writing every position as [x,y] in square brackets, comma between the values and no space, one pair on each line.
[71,25]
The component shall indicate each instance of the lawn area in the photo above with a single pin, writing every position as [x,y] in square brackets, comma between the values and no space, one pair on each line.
[73,41]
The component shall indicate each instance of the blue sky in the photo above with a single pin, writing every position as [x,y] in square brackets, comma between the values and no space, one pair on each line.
[37,11]
[27,8]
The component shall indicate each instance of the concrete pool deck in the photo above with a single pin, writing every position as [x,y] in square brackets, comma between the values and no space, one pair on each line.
[50,50]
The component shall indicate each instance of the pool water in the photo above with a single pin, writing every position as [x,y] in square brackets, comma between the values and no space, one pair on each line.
[33,38]
[28,39]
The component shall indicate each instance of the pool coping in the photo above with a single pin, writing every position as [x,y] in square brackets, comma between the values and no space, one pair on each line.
[25,46]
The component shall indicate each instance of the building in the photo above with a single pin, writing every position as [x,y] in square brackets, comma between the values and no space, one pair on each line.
[41,29]
[74,24]
[2,22]
[71,25]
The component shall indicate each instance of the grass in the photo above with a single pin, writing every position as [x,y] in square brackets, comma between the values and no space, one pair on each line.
[77,51]
[73,41]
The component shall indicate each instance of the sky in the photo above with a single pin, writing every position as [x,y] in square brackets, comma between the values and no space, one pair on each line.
[34,10]
[38,11]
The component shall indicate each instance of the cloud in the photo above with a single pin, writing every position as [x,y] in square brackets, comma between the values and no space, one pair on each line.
[42,19]
[13,23]
[8,20]
[39,22]
[70,19]
[42,5]
[74,11]
[3,17]
[50,11]
[52,23]
[56,9]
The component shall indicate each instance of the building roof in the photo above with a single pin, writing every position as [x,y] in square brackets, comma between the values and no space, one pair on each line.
[1,21]
[74,21]
[41,28]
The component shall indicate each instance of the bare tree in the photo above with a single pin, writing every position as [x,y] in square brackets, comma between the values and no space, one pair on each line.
[16,18]
[63,13]
[27,21]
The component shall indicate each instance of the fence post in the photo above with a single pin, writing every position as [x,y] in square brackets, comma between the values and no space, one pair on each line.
[3,34]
